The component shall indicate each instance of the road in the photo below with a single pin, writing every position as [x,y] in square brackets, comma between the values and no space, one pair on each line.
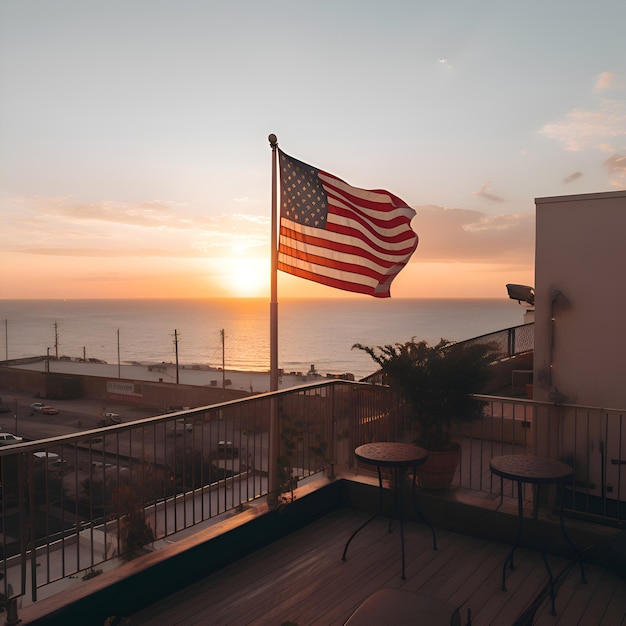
[74,415]
[158,443]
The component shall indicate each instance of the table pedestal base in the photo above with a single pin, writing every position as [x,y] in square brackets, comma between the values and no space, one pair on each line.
[399,511]
[536,471]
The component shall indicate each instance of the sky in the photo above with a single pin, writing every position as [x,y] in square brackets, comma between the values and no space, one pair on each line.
[134,159]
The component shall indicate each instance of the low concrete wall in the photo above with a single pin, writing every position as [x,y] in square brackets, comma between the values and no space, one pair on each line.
[502,372]
[149,578]
[145,393]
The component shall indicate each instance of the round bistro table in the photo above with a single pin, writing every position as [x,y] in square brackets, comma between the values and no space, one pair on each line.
[534,470]
[398,457]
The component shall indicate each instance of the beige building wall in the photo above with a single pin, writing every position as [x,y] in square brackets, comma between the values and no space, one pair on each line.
[580,295]
[580,338]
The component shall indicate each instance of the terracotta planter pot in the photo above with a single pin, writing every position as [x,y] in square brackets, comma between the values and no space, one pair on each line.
[439,469]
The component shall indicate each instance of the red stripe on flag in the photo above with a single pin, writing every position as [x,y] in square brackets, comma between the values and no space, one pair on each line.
[286,235]
[395,241]
[333,282]
[335,264]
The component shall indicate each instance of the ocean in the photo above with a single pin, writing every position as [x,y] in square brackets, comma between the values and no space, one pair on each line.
[310,331]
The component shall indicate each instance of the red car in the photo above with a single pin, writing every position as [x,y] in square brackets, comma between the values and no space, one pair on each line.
[49,410]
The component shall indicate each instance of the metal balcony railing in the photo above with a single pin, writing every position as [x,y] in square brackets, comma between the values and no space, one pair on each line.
[510,341]
[77,504]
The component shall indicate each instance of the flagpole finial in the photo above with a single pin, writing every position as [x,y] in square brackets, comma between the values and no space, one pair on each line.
[273,139]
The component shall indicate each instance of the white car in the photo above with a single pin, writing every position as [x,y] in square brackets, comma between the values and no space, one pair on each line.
[6,439]
[46,458]
[37,406]
[110,419]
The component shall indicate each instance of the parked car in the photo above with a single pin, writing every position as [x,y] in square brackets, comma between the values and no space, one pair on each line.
[4,408]
[181,426]
[49,410]
[45,456]
[59,464]
[50,460]
[225,449]
[6,439]
[109,420]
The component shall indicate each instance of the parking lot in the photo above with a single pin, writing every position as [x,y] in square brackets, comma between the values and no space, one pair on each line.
[74,415]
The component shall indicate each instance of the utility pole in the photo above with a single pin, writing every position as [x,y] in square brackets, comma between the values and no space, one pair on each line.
[223,336]
[176,352]
[56,340]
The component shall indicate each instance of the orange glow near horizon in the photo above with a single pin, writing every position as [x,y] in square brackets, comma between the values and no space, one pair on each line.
[27,277]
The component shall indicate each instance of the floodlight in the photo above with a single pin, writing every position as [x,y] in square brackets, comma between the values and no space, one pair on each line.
[521,293]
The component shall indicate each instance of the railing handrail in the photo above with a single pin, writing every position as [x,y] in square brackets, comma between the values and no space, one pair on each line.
[512,342]
[27,446]
[547,403]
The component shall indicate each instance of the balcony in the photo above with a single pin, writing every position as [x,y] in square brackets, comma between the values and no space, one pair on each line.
[201,490]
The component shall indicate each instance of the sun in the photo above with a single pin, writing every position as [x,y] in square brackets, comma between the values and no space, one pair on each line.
[247,277]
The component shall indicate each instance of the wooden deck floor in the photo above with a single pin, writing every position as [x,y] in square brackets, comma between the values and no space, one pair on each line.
[301,580]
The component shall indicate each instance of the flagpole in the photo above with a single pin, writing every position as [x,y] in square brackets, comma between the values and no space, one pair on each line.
[274,442]
[273,284]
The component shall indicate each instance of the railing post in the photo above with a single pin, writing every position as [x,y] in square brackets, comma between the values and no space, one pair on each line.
[30,465]
[333,437]
[12,616]
[273,455]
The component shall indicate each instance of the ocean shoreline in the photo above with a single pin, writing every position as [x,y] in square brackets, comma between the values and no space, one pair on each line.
[217,333]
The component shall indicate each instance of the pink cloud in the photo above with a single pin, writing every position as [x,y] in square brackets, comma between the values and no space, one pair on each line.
[457,235]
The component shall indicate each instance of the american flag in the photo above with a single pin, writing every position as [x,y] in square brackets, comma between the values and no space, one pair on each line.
[338,235]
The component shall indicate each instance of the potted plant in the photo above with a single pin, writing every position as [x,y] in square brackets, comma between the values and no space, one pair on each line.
[438,382]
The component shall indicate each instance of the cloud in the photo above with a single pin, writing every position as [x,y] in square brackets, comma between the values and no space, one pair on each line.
[263,220]
[616,167]
[70,215]
[146,215]
[572,177]
[463,235]
[601,126]
[616,163]
[599,129]
[215,245]
[485,192]
[160,230]
[605,81]
[62,227]
[108,253]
